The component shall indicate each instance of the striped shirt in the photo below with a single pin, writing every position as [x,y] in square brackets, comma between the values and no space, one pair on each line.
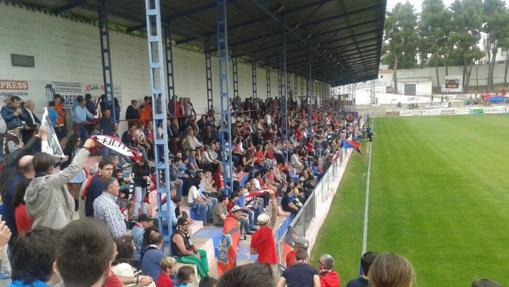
[107,211]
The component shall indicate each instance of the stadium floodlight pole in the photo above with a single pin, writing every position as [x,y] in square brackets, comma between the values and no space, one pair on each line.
[159,93]
[106,56]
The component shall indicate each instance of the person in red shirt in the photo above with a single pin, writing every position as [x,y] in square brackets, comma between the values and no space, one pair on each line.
[299,243]
[168,268]
[263,243]
[218,178]
[328,277]
[22,219]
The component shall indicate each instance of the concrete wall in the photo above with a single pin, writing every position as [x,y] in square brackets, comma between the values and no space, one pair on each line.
[482,72]
[68,51]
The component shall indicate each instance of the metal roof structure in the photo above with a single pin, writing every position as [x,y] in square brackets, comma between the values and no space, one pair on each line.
[342,38]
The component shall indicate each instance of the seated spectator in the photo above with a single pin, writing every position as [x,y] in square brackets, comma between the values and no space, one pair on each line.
[328,277]
[89,240]
[107,210]
[137,232]
[32,258]
[185,276]
[201,203]
[391,270]
[122,267]
[168,269]
[21,217]
[300,274]
[484,282]
[366,261]
[290,202]
[220,210]
[150,263]
[47,201]
[249,275]
[185,252]
[12,141]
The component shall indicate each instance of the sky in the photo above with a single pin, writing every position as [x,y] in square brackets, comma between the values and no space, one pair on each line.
[417,3]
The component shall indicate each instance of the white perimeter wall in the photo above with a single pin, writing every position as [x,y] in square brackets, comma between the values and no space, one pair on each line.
[68,51]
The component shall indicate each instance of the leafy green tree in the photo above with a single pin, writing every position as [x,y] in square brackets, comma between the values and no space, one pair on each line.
[434,28]
[401,39]
[465,35]
[496,20]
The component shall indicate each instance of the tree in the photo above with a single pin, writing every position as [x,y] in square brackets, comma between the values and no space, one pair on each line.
[434,27]
[496,20]
[401,39]
[465,35]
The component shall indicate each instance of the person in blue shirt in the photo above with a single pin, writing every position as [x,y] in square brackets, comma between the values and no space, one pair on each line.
[185,276]
[52,114]
[150,263]
[33,257]
[81,117]
[106,124]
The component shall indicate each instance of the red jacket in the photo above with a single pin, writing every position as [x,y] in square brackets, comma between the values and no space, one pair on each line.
[329,279]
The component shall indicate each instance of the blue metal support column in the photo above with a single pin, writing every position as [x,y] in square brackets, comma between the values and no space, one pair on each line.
[106,56]
[169,65]
[269,88]
[279,81]
[253,79]
[235,71]
[226,122]
[159,112]
[284,90]
[208,74]
[308,96]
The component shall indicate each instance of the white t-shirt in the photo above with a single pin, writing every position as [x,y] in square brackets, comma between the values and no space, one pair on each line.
[194,194]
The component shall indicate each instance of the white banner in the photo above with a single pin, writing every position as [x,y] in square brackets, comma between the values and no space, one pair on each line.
[117,146]
[51,145]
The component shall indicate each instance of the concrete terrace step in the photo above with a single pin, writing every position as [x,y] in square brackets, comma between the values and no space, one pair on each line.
[207,238]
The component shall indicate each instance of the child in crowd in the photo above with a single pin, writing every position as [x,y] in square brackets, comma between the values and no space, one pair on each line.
[185,276]
[168,269]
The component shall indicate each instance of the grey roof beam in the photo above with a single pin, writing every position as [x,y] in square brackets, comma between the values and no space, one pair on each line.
[69,6]
[258,20]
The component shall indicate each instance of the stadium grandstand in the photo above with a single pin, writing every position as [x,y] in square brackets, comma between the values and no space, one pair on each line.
[181,143]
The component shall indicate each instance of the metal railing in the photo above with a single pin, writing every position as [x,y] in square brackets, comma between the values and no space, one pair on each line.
[297,226]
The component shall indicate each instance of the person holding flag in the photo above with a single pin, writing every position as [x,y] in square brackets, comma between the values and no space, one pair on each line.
[228,247]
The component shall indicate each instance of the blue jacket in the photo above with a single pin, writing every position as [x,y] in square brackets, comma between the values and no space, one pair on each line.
[9,116]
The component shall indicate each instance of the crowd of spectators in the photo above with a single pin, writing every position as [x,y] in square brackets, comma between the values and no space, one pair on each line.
[71,222]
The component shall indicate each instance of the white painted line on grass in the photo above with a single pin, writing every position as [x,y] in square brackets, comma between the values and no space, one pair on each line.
[366,205]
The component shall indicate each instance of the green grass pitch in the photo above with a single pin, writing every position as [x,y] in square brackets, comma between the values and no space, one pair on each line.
[439,196]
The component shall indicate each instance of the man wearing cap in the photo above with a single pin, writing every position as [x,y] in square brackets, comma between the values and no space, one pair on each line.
[184,251]
[263,243]
[230,240]
[13,140]
[298,244]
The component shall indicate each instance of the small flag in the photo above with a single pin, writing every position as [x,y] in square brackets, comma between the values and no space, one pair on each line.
[351,144]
